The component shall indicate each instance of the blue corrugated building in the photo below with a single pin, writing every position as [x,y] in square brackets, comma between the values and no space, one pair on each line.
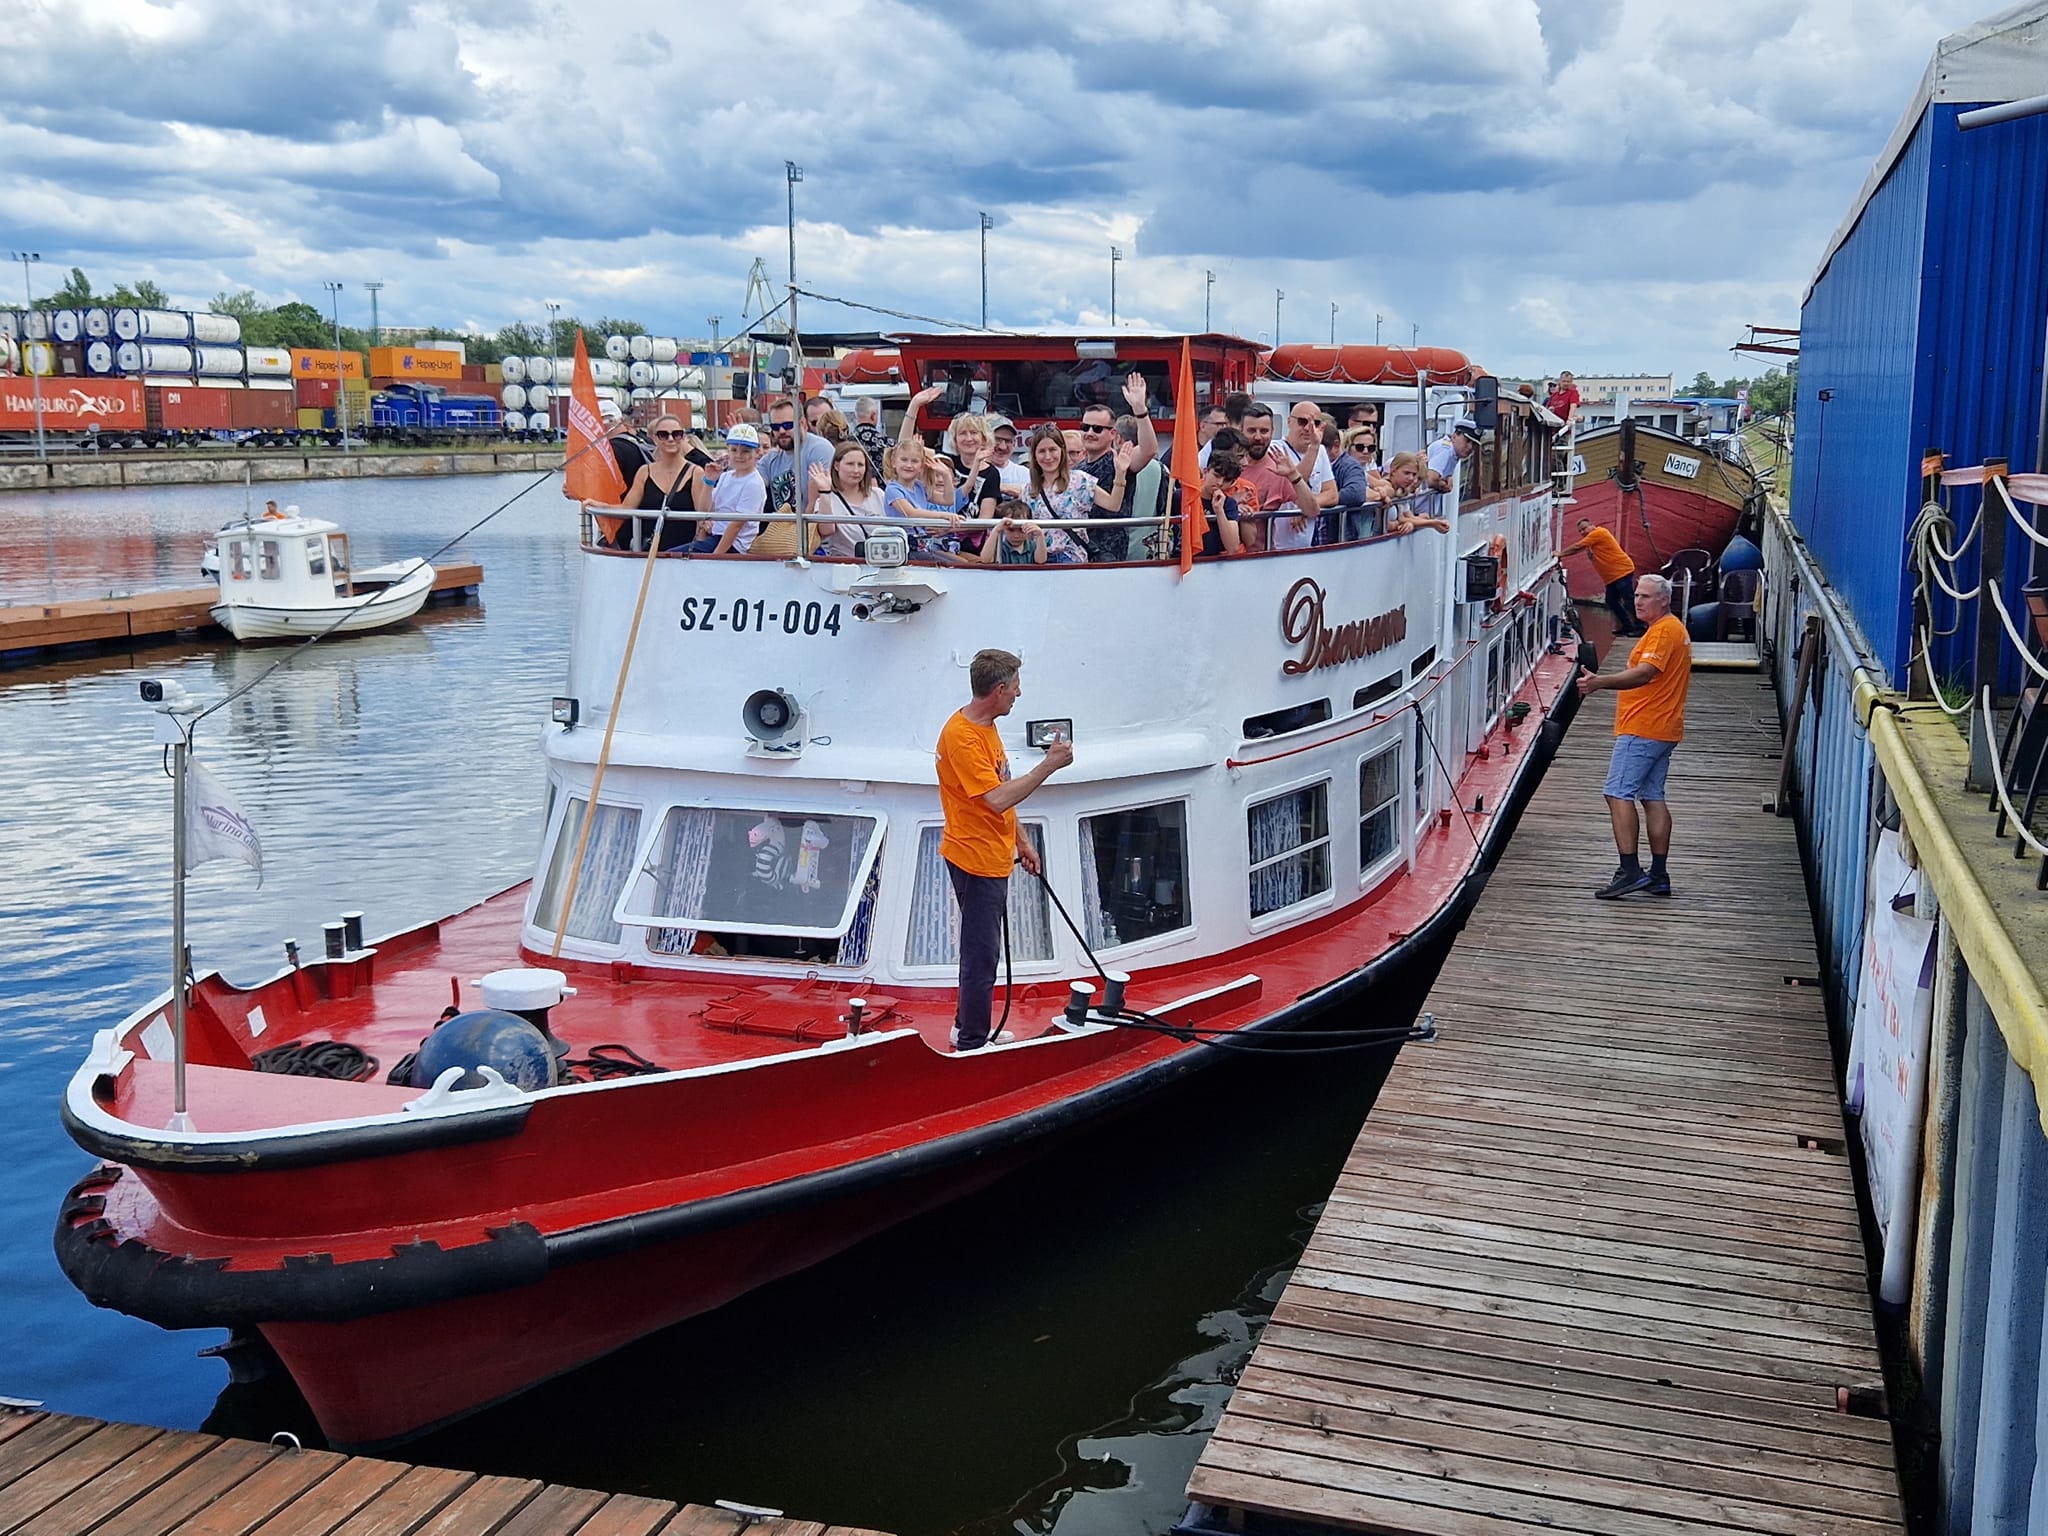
[1925,327]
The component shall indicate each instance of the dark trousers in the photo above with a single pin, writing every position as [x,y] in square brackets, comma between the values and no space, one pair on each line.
[1621,601]
[983,901]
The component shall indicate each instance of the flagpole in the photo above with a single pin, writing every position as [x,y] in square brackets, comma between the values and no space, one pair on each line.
[180,750]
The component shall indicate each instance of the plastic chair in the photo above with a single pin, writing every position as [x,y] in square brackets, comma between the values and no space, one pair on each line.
[1700,566]
[1738,605]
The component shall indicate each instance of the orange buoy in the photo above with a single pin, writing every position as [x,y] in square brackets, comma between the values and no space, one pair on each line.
[871,365]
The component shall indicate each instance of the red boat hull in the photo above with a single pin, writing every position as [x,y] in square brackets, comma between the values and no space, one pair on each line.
[1678,519]
[385,1378]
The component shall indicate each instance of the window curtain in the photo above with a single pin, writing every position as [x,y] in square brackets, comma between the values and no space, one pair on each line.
[1094,921]
[607,863]
[680,876]
[934,936]
[1277,827]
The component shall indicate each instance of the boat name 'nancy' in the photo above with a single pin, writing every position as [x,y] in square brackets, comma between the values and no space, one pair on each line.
[1301,623]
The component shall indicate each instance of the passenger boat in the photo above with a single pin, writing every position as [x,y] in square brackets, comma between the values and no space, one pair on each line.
[287,577]
[1292,773]
[1658,493]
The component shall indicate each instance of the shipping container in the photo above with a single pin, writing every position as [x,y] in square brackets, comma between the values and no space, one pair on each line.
[190,409]
[268,362]
[311,418]
[460,349]
[70,405]
[494,373]
[1922,329]
[475,373]
[70,359]
[261,410]
[319,364]
[409,364]
[318,394]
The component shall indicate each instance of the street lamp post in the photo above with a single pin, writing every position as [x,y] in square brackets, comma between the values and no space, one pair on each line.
[553,307]
[1377,321]
[792,174]
[987,224]
[1208,289]
[1277,297]
[340,374]
[1414,334]
[1333,322]
[376,329]
[35,379]
[1115,256]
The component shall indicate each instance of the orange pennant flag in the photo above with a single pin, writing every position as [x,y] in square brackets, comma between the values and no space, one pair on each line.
[592,475]
[1187,461]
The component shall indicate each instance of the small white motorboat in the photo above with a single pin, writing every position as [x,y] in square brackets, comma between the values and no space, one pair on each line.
[282,577]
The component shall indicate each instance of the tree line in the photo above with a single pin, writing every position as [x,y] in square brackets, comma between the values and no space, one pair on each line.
[1769,395]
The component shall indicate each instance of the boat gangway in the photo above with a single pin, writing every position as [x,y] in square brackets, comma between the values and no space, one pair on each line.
[66,1476]
[1594,1264]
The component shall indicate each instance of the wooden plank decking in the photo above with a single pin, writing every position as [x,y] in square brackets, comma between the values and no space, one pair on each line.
[1594,1263]
[36,627]
[63,1476]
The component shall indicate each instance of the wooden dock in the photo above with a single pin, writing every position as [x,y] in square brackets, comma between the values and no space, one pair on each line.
[1594,1263]
[63,1476]
[140,617]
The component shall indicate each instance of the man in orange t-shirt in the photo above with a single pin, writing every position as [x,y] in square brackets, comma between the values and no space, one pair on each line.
[1649,722]
[981,841]
[1617,572]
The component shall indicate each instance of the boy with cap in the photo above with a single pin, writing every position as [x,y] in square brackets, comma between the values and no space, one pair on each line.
[734,494]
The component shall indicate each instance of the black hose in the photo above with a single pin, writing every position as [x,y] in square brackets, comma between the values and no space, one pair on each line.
[1329,1041]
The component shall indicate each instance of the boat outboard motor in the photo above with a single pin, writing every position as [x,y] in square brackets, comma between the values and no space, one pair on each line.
[529,991]
[487,1037]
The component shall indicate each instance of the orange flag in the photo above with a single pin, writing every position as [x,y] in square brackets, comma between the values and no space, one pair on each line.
[592,476]
[1187,461]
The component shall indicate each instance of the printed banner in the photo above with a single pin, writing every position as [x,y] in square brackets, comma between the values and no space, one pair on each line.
[215,826]
[592,476]
[1886,1082]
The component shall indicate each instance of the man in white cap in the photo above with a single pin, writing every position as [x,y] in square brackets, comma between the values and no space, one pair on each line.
[627,448]
[1445,455]
[734,494]
[1016,478]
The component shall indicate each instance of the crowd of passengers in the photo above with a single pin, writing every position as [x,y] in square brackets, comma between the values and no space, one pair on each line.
[1262,488]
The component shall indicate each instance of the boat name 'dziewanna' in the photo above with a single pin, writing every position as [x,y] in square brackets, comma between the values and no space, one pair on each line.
[1301,623]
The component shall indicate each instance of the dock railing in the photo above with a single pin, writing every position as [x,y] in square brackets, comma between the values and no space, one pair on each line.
[1957,1160]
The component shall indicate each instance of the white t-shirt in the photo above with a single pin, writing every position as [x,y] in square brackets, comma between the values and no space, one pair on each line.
[1015,477]
[844,535]
[1443,458]
[738,498]
[1300,532]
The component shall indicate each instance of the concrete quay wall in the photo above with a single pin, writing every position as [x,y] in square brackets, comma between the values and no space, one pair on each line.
[119,471]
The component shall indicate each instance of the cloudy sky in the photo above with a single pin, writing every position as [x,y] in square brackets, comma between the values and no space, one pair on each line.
[1611,185]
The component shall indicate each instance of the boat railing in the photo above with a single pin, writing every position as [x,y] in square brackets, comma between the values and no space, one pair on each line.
[1156,527]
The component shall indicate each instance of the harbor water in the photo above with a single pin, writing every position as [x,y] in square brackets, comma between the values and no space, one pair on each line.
[1045,1357]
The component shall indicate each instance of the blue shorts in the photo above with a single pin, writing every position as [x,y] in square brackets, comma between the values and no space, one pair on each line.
[1637,769]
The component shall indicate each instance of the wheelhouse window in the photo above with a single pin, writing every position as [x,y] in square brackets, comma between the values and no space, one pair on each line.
[1289,844]
[934,937]
[1134,881]
[607,863]
[316,554]
[241,559]
[772,884]
[269,561]
[1379,808]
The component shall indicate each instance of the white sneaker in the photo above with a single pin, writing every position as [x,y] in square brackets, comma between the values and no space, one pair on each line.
[1000,1037]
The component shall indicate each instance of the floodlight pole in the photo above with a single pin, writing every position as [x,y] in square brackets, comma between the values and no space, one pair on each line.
[35,379]
[1208,289]
[1115,256]
[340,373]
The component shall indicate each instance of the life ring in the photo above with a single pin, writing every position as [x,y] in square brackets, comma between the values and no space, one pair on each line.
[1497,547]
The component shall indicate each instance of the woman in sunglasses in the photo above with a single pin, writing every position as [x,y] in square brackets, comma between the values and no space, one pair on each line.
[662,484]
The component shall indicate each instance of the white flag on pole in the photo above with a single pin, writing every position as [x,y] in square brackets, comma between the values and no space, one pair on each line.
[215,827]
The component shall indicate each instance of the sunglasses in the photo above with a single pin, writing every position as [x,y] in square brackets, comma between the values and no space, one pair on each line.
[1305,421]
[783,426]
[662,437]
[1094,430]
